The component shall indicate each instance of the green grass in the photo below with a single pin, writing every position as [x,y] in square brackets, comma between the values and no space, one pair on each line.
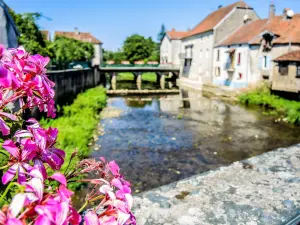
[150,77]
[275,105]
[77,124]
[125,76]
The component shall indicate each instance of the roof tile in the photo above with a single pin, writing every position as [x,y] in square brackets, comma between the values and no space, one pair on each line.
[214,18]
[287,31]
[293,56]
[80,36]
[176,35]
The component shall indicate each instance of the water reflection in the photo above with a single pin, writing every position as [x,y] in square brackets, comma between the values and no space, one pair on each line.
[161,139]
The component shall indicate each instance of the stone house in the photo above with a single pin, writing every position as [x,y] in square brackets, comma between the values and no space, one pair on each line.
[8,31]
[198,43]
[170,47]
[245,57]
[86,37]
[46,35]
[286,72]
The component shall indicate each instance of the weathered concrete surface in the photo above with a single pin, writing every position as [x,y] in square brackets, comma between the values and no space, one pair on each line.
[262,190]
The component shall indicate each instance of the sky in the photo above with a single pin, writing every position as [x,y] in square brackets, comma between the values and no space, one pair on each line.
[111,21]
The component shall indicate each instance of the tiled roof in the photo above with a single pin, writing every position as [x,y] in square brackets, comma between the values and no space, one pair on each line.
[286,30]
[214,18]
[293,56]
[176,35]
[81,36]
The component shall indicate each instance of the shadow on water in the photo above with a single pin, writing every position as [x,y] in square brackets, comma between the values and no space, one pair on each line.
[157,140]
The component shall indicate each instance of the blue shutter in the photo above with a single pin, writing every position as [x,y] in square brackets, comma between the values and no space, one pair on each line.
[260,62]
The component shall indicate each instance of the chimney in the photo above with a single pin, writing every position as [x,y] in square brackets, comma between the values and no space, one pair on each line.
[76,30]
[288,13]
[173,29]
[272,11]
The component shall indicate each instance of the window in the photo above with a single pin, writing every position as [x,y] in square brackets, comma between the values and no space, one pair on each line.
[240,76]
[283,68]
[230,64]
[298,70]
[207,53]
[189,52]
[239,58]
[201,54]
[218,55]
[265,62]
[217,71]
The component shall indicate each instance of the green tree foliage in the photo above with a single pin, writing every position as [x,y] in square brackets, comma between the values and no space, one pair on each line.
[119,57]
[30,36]
[107,55]
[161,33]
[137,47]
[65,50]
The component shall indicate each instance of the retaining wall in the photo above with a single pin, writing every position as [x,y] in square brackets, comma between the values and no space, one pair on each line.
[68,83]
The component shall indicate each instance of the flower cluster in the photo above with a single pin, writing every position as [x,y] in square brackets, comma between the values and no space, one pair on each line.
[40,192]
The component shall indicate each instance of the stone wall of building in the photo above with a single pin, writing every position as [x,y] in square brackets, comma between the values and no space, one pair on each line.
[233,21]
[288,83]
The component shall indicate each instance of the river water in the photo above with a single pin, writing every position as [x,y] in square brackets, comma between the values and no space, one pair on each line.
[157,140]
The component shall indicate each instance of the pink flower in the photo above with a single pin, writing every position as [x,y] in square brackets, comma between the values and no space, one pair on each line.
[4,129]
[10,217]
[44,140]
[19,160]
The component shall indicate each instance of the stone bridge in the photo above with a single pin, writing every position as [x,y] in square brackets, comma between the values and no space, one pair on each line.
[161,72]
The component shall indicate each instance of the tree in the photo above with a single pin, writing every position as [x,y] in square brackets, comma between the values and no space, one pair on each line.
[161,33]
[30,35]
[108,55]
[137,47]
[118,57]
[65,50]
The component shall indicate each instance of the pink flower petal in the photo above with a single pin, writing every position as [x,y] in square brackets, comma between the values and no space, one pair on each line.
[10,174]
[42,220]
[4,129]
[9,116]
[17,204]
[5,77]
[38,164]
[117,183]
[13,221]
[114,168]
[62,213]
[10,146]
[60,178]
[91,218]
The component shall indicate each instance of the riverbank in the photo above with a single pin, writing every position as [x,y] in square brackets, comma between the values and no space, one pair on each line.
[284,109]
[78,122]
[261,190]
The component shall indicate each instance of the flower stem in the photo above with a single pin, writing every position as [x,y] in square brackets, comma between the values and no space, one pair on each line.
[4,167]
[20,187]
[82,208]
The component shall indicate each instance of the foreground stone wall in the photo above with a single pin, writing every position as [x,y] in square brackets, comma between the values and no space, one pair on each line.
[262,190]
[68,83]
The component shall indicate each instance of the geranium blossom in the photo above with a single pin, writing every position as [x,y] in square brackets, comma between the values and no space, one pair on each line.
[42,198]
[19,161]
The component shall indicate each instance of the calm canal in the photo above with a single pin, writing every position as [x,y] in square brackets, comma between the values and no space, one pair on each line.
[157,140]
[161,139]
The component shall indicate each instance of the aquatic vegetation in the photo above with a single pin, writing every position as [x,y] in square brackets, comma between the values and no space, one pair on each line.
[276,105]
[34,191]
